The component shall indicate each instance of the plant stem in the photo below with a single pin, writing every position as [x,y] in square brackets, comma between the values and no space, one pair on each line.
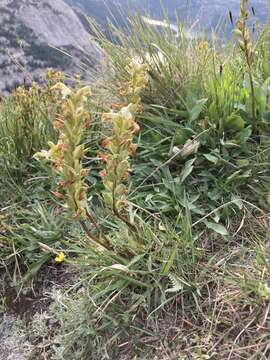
[99,231]
[93,238]
[93,221]
[253,99]
[131,227]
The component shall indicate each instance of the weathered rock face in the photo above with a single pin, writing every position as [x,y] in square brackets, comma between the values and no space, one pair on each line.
[28,31]
[55,23]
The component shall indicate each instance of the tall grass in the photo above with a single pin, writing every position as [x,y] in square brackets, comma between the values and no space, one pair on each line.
[26,124]
[174,61]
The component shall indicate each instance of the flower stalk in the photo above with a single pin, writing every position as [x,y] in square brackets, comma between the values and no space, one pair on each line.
[66,158]
[119,146]
[245,44]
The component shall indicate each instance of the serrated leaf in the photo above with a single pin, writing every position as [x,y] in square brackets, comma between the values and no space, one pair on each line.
[177,283]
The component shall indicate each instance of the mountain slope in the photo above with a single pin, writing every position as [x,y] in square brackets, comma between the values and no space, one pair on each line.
[28,27]
[208,12]
[54,22]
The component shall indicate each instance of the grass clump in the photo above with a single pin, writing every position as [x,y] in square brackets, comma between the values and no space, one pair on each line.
[26,123]
[160,202]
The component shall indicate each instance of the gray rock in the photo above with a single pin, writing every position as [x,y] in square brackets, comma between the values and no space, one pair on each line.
[11,346]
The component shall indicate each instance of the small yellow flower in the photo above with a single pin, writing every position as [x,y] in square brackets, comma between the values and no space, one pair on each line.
[203,46]
[60,257]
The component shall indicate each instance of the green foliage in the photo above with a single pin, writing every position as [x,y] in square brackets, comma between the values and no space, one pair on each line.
[188,236]
[157,278]
[35,234]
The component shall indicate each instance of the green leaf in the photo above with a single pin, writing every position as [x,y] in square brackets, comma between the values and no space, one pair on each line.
[213,159]
[168,264]
[238,202]
[181,136]
[266,68]
[220,229]
[260,98]
[242,162]
[213,111]
[238,175]
[197,109]
[244,135]
[35,267]
[234,123]
[187,170]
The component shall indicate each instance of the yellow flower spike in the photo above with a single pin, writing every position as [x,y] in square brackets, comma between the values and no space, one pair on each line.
[139,79]
[60,257]
[66,155]
[119,146]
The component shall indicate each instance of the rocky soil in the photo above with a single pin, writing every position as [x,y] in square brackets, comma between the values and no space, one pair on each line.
[11,344]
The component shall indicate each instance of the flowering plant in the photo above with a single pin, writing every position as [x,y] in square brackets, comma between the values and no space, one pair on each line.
[119,145]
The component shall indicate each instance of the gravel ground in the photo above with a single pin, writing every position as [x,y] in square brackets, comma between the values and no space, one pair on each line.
[11,343]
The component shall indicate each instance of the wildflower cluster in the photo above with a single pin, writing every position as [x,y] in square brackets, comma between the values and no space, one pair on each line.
[119,146]
[203,46]
[26,101]
[33,108]
[54,77]
[241,31]
[138,80]
[66,155]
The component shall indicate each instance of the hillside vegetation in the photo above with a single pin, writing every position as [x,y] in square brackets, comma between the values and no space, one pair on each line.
[134,220]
